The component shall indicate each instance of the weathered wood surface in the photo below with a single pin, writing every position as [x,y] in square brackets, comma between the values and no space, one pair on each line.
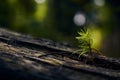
[25,58]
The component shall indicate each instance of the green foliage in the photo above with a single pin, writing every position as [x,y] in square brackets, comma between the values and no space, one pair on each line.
[85,42]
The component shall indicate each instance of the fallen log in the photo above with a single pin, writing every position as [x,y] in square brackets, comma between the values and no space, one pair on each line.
[23,57]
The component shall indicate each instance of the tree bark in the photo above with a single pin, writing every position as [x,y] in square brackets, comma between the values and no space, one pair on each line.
[23,57]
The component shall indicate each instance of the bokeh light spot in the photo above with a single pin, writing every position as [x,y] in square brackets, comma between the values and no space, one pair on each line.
[79,19]
[99,2]
[40,1]
[96,36]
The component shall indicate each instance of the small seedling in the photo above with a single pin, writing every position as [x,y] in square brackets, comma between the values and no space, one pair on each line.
[85,43]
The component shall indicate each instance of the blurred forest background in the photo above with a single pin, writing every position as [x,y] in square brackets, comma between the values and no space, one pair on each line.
[60,20]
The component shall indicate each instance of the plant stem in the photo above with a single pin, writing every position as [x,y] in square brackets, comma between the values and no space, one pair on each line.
[89,44]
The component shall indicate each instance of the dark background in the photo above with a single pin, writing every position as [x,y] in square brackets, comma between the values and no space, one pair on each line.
[55,19]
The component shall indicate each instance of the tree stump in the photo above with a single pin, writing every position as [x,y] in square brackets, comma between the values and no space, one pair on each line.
[23,57]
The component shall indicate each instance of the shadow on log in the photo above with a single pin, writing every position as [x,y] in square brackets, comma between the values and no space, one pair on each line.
[23,57]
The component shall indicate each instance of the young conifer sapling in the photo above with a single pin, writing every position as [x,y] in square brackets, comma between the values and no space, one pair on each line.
[85,42]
